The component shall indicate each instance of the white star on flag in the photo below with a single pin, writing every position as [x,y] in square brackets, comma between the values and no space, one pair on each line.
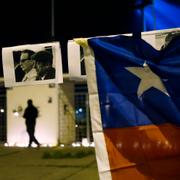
[148,79]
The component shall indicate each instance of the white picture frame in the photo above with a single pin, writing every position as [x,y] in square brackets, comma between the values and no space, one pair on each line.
[11,60]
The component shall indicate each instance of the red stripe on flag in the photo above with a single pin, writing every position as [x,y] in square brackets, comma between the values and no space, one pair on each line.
[144,152]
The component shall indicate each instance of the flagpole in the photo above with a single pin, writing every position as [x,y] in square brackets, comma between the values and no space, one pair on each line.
[52,19]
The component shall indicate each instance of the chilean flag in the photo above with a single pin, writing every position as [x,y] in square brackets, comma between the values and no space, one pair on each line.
[134,94]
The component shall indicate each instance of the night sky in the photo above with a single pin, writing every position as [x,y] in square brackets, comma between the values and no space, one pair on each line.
[29,21]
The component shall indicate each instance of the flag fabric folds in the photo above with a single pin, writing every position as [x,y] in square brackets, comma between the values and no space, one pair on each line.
[134,97]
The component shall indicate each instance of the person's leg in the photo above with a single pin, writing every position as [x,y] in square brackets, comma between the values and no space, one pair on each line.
[36,141]
[30,137]
[33,137]
[31,134]
[28,129]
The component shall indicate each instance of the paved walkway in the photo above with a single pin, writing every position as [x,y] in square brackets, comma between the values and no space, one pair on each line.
[28,164]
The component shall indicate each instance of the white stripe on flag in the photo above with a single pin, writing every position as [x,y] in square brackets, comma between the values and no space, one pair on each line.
[95,113]
[102,156]
[99,140]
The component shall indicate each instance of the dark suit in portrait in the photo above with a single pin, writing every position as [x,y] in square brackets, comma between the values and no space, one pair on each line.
[44,60]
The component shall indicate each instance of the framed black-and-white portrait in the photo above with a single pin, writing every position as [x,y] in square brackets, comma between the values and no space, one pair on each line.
[32,64]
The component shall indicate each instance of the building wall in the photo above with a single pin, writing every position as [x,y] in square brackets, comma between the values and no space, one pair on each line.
[44,97]
[66,113]
[3,118]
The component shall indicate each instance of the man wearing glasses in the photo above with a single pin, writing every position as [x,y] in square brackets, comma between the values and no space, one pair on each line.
[28,65]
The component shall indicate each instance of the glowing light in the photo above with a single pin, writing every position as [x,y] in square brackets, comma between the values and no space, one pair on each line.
[20,144]
[6,144]
[119,145]
[2,110]
[85,142]
[159,143]
[92,144]
[44,145]
[76,144]
[16,113]
[11,144]
[62,145]
[51,145]
[80,110]
[136,145]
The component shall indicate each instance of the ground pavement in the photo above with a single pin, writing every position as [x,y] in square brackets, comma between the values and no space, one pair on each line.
[29,164]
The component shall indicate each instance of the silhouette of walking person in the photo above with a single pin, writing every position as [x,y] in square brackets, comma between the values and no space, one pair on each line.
[30,115]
